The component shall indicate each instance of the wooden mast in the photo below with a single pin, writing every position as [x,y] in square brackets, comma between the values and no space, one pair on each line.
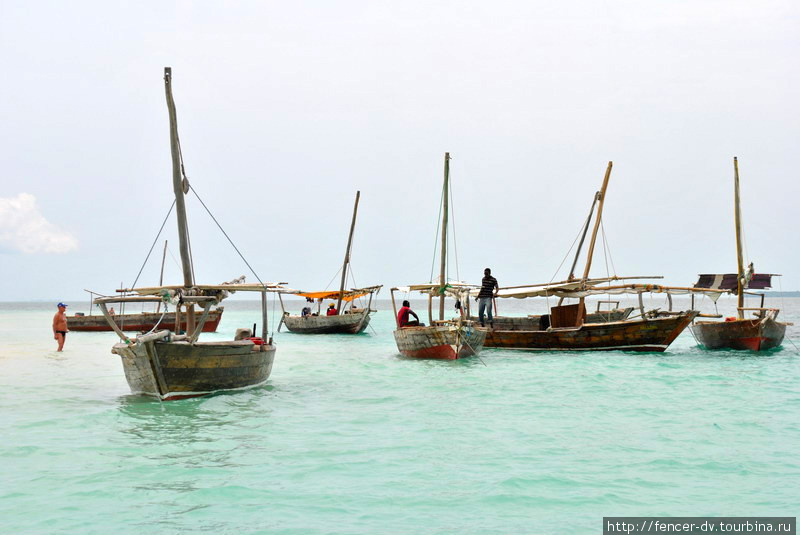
[161,277]
[601,196]
[739,260]
[177,182]
[347,254]
[443,268]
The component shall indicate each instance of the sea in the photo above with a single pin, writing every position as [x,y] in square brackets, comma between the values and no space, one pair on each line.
[349,437]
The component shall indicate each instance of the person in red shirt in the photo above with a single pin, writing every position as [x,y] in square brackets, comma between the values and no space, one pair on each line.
[332,310]
[402,316]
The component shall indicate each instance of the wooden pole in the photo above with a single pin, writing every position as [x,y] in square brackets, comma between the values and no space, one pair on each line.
[283,311]
[739,259]
[347,253]
[443,268]
[110,320]
[177,182]
[394,308]
[601,197]
[263,315]
[161,277]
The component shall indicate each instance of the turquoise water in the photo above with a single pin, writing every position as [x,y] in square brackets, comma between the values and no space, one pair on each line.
[350,438]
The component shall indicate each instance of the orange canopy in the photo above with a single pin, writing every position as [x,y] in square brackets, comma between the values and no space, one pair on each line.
[348,296]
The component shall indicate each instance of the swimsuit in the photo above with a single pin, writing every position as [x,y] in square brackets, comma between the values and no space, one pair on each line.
[63,333]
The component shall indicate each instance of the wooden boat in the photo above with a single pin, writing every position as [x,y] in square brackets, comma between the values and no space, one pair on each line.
[568,328]
[534,321]
[353,320]
[173,366]
[756,334]
[142,322]
[441,339]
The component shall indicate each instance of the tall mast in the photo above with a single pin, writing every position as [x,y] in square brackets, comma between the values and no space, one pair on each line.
[601,197]
[347,252]
[177,182]
[738,219]
[445,199]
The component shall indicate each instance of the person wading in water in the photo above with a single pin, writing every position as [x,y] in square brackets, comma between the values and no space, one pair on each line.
[60,326]
[489,289]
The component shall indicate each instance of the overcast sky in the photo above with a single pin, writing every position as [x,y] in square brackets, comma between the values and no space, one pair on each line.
[285,109]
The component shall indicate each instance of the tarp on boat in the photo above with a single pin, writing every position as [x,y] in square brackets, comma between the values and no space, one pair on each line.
[347,295]
[728,281]
[574,290]
[452,289]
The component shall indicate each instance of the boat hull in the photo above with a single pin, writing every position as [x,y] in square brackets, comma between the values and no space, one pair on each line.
[749,334]
[177,370]
[444,342]
[632,335]
[534,322]
[143,322]
[350,323]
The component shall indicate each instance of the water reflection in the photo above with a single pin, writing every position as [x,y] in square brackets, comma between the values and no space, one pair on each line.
[193,420]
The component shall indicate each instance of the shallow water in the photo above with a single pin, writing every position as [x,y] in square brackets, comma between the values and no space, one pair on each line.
[350,438]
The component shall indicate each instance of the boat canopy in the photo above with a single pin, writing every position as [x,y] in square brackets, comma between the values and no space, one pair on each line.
[574,290]
[347,295]
[759,281]
[200,288]
[456,290]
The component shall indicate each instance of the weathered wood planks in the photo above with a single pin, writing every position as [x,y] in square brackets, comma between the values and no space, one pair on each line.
[753,334]
[654,334]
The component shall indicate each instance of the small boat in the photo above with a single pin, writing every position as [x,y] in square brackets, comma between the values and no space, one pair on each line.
[352,320]
[171,366]
[441,339]
[141,322]
[569,328]
[758,333]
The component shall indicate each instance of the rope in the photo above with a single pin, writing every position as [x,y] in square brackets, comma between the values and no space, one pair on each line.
[159,320]
[606,246]
[332,279]
[228,237]
[453,219]
[191,256]
[436,236]
[152,246]
[186,179]
[174,260]
[566,255]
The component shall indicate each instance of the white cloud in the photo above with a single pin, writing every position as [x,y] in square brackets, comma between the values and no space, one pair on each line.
[23,228]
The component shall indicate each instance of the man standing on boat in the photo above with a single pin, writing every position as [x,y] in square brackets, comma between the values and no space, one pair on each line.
[489,289]
[60,326]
